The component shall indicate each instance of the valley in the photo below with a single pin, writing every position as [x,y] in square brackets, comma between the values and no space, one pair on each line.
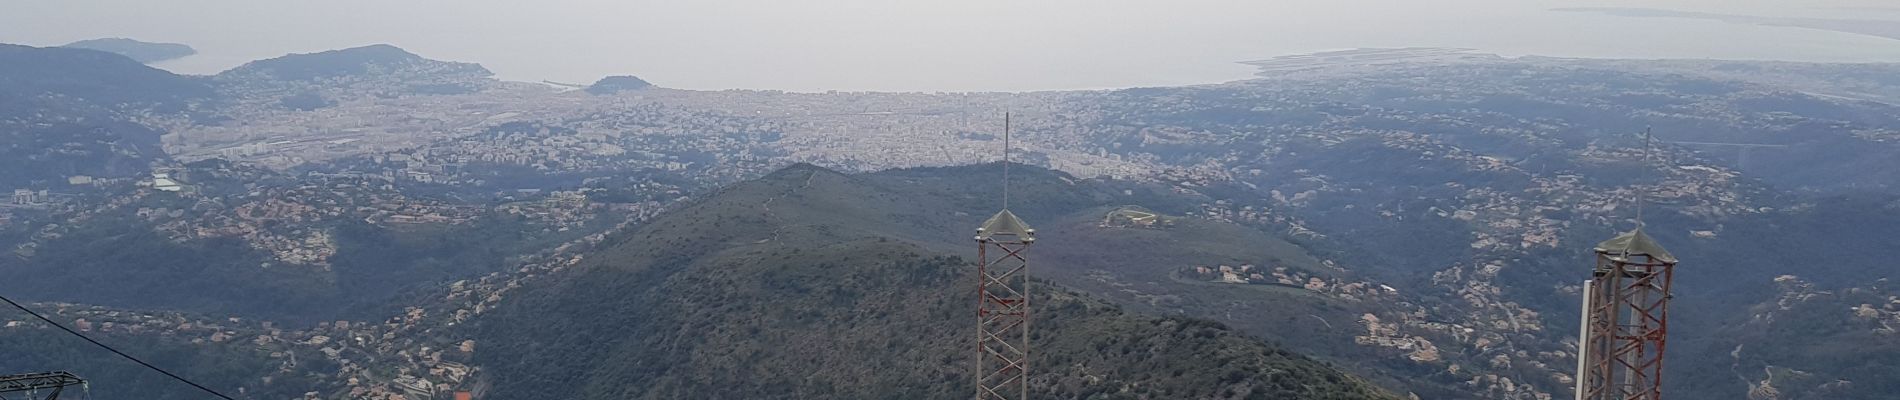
[1412,224]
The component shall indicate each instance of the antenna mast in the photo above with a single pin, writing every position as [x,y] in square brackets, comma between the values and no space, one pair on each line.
[1002,299]
[1649,146]
[1625,315]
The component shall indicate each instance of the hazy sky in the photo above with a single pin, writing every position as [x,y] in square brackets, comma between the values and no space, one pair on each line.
[928,45]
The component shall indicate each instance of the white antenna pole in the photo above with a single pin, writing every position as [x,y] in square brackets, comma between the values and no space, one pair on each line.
[1005,160]
[1648,147]
[1583,337]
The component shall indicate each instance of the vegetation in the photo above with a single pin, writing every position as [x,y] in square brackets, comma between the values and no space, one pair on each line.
[781,288]
[1387,181]
[122,261]
[96,78]
[618,83]
[355,61]
[119,261]
[229,367]
[63,112]
[306,101]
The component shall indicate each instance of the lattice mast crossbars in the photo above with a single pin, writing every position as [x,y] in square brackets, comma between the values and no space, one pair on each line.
[31,385]
[1626,327]
[1002,315]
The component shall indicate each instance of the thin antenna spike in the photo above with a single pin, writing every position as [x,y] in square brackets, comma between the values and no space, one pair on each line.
[1648,148]
[1005,160]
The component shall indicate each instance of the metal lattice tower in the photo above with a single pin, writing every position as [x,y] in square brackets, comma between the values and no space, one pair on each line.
[1002,299]
[1625,320]
[29,386]
[1002,308]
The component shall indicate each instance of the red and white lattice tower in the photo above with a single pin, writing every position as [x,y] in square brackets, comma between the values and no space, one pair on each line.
[1625,320]
[1002,308]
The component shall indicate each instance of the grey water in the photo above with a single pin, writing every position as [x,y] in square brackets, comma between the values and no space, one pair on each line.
[965,45]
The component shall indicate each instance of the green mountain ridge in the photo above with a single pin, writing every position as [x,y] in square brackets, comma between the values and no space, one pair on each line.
[67,111]
[96,78]
[123,255]
[343,63]
[743,293]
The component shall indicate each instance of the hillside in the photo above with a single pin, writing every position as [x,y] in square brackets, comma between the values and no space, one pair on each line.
[93,77]
[617,83]
[232,366]
[343,63]
[381,69]
[67,112]
[742,293]
[120,260]
[268,246]
[1141,268]
[1476,190]
[145,52]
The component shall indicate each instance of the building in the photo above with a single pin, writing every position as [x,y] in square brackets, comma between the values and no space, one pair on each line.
[164,182]
[1131,217]
[244,150]
[28,196]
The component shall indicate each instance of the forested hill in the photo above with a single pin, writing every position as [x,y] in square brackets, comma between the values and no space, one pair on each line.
[355,61]
[314,80]
[67,112]
[792,286]
[91,77]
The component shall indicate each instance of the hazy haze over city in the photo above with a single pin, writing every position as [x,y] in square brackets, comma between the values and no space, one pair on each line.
[934,46]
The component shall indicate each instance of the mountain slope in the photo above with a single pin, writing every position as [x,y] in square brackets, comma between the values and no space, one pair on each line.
[93,77]
[617,83]
[1479,188]
[792,286]
[381,70]
[66,112]
[355,61]
[145,52]
[232,367]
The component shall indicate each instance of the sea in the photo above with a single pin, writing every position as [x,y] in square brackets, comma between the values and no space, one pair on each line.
[937,46]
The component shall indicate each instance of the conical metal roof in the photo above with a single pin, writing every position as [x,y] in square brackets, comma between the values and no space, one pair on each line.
[1006,223]
[1636,243]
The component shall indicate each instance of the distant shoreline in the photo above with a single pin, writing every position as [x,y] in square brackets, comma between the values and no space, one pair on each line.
[1881,28]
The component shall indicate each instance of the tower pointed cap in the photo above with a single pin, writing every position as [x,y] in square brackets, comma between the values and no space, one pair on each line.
[1635,243]
[1006,223]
